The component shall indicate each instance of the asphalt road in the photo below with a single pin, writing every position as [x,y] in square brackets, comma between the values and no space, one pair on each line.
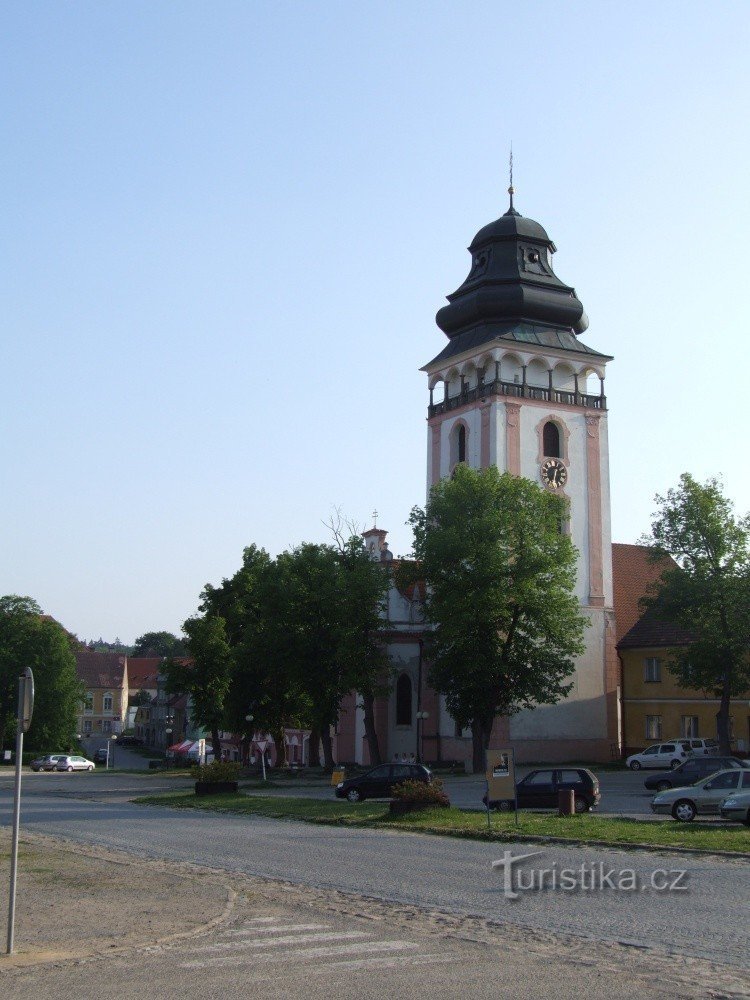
[707,920]
[622,791]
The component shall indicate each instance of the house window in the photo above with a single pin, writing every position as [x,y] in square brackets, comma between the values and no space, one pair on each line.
[689,725]
[403,700]
[652,670]
[106,726]
[551,440]
[87,726]
[88,703]
[653,727]
[107,703]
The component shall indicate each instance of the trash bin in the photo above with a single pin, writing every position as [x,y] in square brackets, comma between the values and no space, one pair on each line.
[566,802]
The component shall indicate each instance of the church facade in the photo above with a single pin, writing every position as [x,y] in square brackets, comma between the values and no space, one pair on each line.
[515,387]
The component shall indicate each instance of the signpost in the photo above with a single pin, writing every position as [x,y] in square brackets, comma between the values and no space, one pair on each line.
[501,779]
[261,745]
[25,711]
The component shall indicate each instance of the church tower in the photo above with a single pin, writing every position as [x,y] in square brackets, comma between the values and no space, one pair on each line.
[515,387]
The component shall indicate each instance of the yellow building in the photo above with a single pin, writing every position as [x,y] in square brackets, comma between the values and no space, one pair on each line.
[654,706]
[105,680]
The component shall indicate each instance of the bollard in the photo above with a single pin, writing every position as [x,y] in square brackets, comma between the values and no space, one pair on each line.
[566,802]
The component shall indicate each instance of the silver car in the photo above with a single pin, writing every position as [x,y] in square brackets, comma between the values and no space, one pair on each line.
[737,807]
[72,763]
[704,796]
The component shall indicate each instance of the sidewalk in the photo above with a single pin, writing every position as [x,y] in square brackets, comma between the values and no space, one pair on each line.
[75,901]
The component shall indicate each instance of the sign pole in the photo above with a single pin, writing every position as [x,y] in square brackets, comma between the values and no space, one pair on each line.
[25,708]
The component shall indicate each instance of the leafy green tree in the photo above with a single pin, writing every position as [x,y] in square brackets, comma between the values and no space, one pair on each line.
[159,644]
[362,611]
[707,592]
[206,676]
[335,597]
[28,639]
[500,577]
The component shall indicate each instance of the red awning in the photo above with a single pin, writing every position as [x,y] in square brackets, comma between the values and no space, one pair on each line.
[181,747]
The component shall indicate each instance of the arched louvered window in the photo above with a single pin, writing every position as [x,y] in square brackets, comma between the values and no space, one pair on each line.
[403,700]
[551,440]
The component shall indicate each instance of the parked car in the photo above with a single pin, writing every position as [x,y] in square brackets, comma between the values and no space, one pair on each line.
[737,807]
[539,789]
[659,755]
[707,796]
[100,755]
[692,770]
[73,763]
[378,782]
[47,763]
[696,747]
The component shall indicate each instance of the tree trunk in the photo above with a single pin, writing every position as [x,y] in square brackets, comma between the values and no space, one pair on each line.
[216,743]
[722,721]
[313,748]
[325,736]
[278,739]
[370,733]
[478,748]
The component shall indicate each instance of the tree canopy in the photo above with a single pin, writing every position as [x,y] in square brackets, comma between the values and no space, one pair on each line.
[285,639]
[500,575]
[706,591]
[159,644]
[28,639]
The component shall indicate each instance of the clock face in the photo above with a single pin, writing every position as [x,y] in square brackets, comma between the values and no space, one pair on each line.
[554,473]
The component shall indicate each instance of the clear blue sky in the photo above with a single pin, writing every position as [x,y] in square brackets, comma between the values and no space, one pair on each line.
[227,227]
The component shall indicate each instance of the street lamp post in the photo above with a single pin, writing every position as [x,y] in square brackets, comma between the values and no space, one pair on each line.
[421,716]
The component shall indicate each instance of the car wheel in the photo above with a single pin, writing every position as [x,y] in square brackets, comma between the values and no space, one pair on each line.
[503,806]
[90,767]
[581,805]
[684,811]
[675,763]
[353,795]
[635,765]
[663,786]
[68,768]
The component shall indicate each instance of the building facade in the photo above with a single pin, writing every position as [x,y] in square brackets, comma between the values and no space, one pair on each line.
[103,711]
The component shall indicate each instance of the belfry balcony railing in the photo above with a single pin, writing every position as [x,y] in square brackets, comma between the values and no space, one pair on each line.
[520,391]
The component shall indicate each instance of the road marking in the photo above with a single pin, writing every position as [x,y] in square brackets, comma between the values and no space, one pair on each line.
[275,929]
[279,941]
[385,962]
[301,954]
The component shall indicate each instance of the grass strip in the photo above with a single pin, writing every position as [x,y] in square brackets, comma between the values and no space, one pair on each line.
[586,828]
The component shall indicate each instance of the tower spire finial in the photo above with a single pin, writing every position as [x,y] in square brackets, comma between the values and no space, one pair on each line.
[511,189]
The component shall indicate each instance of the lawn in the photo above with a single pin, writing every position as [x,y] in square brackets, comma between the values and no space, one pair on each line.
[584,828]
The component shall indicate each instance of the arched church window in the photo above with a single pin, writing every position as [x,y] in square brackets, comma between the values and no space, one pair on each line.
[403,700]
[461,442]
[551,440]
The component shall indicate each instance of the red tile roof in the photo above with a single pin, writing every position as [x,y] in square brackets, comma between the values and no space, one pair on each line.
[100,670]
[632,572]
[651,631]
[143,672]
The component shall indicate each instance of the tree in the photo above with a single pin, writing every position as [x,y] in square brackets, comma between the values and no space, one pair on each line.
[335,598]
[206,676]
[159,644]
[707,592]
[500,576]
[28,639]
